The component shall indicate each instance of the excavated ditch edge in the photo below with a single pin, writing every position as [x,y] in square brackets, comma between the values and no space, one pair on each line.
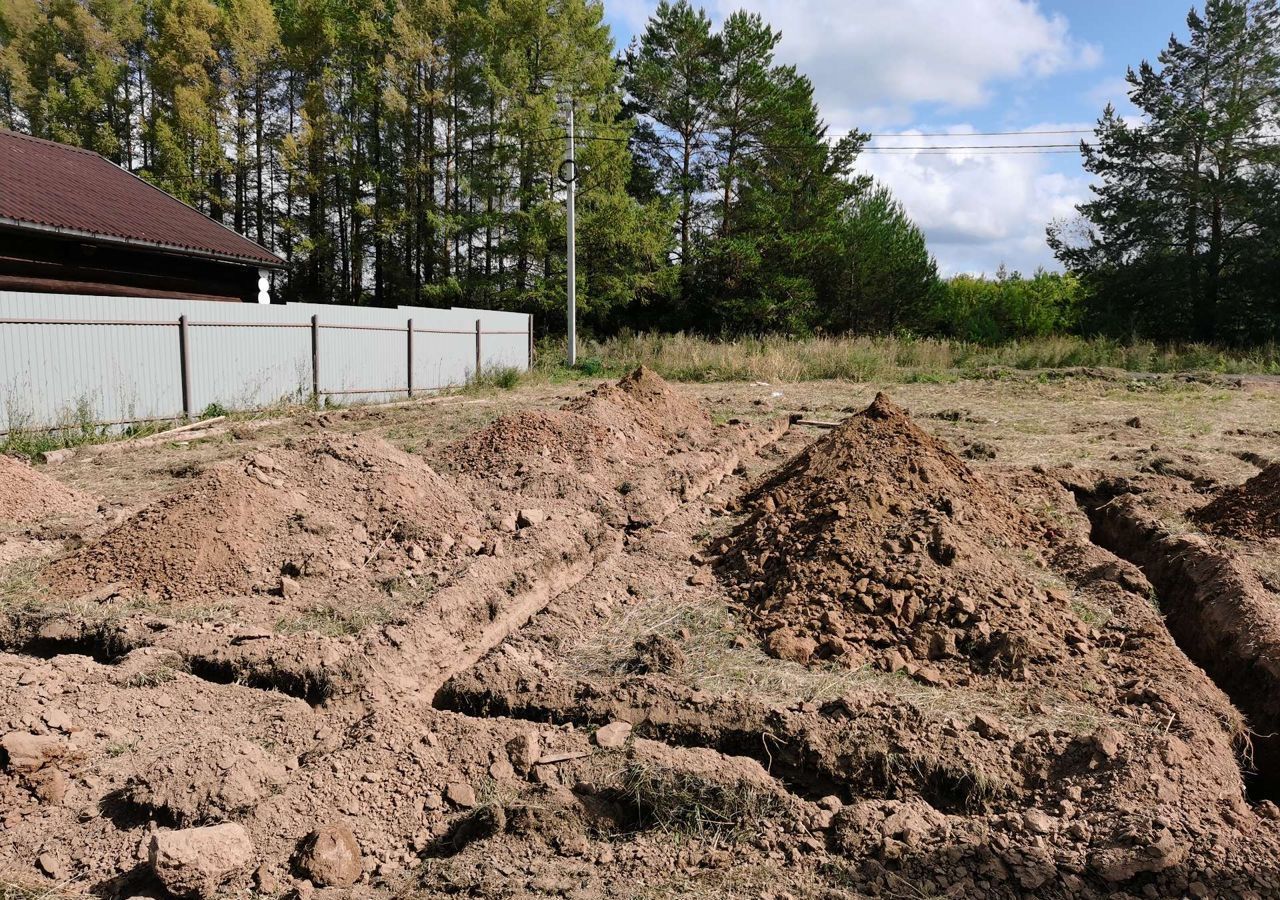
[1218,613]
[257,664]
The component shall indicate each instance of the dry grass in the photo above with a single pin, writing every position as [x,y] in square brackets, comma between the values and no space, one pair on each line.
[681,802]
[705,630]
[779,358]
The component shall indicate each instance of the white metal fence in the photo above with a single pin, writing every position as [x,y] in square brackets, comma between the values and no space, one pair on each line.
[112,360]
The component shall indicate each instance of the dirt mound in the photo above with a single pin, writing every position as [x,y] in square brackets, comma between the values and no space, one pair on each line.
[28,495]
[644,400]
[510,442]
[316,513]
[878,544]
[1250,511]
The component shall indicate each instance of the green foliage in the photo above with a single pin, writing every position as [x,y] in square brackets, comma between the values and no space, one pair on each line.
[1181,239]
[1008,307]
[876,272]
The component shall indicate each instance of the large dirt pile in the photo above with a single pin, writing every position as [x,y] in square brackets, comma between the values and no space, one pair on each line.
[510,443]
[644,401]
[583,450]
[1250,511]
[28,495]
[321,510]
[878,544]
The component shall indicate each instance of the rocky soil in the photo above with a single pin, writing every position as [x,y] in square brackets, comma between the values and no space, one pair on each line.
[617,649]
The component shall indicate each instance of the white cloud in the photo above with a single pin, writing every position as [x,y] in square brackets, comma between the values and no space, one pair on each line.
[876,63]
[873,61]
[981,210]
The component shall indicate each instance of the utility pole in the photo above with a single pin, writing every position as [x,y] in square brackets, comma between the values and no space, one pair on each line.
[573,250]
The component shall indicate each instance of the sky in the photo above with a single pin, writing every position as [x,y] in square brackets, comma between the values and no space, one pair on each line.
[963,66]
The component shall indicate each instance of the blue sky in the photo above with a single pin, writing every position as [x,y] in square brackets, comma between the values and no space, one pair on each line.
[963,66]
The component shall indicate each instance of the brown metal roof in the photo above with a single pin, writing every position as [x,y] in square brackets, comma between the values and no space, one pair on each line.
[45,186]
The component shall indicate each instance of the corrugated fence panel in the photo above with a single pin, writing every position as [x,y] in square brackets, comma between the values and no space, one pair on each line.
[363,352]
[69,374]
[241,365]
[239,355]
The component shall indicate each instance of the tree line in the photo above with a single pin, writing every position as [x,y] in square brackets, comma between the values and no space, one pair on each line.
[1181,240]
[410,151]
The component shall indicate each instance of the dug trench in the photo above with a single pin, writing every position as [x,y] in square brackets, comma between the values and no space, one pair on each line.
[264,537]
[1004,677]
[1217,609]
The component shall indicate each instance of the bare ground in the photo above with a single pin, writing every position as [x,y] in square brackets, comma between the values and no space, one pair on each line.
[525,671]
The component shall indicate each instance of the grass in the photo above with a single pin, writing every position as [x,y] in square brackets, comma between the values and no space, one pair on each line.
[504,378]
[333,622]
[782,359]
[681,802]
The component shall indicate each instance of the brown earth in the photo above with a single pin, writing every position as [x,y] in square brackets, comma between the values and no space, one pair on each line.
[318,516]
[1250,511]
[28,495]
[677,659]
[879,544]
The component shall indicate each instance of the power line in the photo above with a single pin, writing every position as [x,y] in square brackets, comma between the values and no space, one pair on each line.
[965,134]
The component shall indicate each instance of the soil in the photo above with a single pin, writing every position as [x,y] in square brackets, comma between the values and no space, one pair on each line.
[315,517]
[28,495]
[1250,511]
[603,646]
[879,545]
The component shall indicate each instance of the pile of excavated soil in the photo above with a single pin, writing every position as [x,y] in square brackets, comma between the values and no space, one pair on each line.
[28,495]
[1250,511]
[320,513]
[512,443]
[594,451]
[631,422]
[644,401]
[878,544]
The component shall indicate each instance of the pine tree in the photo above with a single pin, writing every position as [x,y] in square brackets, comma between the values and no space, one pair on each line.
[1169,245]
[673,81]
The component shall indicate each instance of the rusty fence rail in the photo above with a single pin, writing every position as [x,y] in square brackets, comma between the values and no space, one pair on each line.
[72,360]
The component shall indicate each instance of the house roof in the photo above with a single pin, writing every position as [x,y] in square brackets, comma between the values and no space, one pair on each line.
[50,187]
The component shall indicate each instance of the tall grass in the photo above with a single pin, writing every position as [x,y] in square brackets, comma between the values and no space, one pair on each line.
[683,357]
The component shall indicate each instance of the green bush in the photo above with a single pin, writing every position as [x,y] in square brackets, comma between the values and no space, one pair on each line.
[1008,307]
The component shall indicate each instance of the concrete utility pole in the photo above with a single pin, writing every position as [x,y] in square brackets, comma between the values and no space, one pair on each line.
[573,251]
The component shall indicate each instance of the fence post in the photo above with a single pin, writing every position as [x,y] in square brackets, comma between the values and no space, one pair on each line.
[315,360]
[479,357]
[529,365]
[184,359]
[409,352]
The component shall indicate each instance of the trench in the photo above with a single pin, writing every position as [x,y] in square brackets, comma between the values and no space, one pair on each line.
[106,646]
[1218,614]
[789,751]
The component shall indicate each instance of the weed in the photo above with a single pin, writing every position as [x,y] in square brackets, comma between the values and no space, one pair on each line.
[1090,614]
[591,367]
[213,410]
[684,802]
[152,677]
[503,378]
[333,622]
[120,748]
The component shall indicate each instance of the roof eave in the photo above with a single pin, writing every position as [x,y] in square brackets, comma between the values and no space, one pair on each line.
[113,240]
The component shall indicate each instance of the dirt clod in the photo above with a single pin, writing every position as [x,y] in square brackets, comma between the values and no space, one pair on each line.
[198,862]
[461,795]
[330,856]
[613,736]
